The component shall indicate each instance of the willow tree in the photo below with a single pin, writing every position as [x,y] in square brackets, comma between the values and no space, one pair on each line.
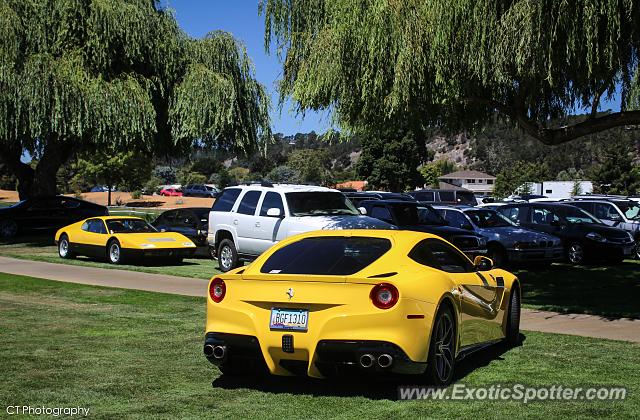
[84,75]
[456,63]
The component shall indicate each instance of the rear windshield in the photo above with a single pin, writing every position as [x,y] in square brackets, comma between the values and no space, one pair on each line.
[332,255]
[465,197]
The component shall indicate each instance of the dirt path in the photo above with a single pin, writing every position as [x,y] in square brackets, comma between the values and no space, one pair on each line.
[552,322]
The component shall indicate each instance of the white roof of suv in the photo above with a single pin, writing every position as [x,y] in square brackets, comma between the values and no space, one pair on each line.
[285,188]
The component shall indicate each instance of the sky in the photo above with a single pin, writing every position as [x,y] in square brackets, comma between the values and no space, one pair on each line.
[241,19]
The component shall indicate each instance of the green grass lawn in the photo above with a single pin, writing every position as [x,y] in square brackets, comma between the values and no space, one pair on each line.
[39,249]
[610,291]
[124,353]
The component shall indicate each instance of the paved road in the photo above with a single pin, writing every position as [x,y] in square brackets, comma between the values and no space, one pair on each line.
[573,324]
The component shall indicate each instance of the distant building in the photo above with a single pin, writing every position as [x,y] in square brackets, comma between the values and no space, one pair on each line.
[558,189]
[476,181]
[356,185]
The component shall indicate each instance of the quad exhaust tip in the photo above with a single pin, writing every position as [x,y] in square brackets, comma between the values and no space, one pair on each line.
[385,360]
[218,352]
[367,360]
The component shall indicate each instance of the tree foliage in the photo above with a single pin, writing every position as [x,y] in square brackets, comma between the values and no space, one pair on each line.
[454,63]
[390,159]
[617,174]
[79,75]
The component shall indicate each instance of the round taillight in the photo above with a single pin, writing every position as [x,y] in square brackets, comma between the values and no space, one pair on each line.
[384,295]
[217,290]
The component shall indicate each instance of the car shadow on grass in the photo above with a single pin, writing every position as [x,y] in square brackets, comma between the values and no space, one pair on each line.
[611,291]
[34,241]
[366,386]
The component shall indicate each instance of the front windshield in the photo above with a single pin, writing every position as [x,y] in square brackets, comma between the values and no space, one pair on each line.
[488,219]
[575,216]
[428,216]
[129,226]
[630,209]
[319,204]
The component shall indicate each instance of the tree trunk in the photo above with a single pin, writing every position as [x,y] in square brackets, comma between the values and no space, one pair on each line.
[24,172]
[55,154]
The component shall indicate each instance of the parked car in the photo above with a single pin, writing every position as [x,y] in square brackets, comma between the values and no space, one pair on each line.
[617,212]
[454,197]
[192,222]
[246,220]
[584,237]
[371,302]
[45,214]
[358,197]
[406,215]
[171,192]
[506,242]
[119,239]
[199,190]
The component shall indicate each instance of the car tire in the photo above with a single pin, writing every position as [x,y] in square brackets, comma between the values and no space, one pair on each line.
[64,247]
[512,329]
[499,255]
[442,348]
[575,253]
[114,252]
[8,229]
[227,255]
[212,253]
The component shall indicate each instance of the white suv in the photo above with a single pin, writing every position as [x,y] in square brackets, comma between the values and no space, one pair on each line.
[246,220]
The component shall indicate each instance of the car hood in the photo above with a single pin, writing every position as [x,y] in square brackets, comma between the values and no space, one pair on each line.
[516,234]
[341,222]
[606,231]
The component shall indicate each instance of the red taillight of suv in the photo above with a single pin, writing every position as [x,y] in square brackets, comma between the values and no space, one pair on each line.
[217,290]
[384,295]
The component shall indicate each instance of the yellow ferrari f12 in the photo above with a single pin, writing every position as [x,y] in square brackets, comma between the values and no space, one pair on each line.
[359,301]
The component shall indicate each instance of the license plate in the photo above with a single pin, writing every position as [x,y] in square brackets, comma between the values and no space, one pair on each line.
[289,319]
[628,250]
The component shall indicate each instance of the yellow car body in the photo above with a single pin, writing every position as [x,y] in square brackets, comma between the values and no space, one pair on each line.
[119,238]
[343,323]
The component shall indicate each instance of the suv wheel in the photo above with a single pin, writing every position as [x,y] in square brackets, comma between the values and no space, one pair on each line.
[227,255]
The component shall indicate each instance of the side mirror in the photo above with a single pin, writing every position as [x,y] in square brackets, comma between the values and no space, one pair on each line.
[274,212]
[615,217]
[163,230]
[557,223]
[482,263]
[362,210]
[467,227]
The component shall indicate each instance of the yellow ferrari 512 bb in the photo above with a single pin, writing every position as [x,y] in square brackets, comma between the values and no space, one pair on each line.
[359,301]
[119,239]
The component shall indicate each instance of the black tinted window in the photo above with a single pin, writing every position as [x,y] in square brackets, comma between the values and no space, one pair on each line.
[226,200]
[456,219]
[447,196]
[249,202]
[424,196]
[437,254]
[463,197]
[271,201]
[381,213]
[333,255]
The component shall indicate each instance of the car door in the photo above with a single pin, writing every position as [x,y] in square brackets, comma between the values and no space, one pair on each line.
[543,219]
[269,228]
[92,239]
[479,294]
[246,224]
[43,214]
[609,214]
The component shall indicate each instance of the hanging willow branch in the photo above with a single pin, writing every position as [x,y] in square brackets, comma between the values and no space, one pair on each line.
[537,60]
[84,74]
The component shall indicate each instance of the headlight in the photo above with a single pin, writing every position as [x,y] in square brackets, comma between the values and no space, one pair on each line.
[596,237]
[147,245]
[482,242]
